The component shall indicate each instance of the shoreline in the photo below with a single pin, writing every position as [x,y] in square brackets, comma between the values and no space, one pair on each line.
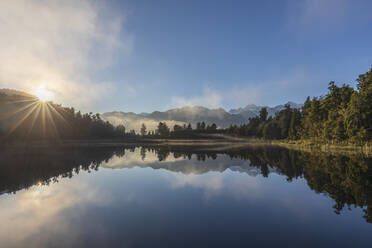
[213,141]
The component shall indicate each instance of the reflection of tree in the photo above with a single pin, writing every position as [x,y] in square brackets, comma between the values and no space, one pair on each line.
[23,168]
[162,154]
[143,153]
[346,179]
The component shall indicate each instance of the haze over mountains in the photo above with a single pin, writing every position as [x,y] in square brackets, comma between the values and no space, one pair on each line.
[192,115]
[180,116]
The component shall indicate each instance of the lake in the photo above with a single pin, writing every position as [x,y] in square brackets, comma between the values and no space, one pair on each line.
[253,196]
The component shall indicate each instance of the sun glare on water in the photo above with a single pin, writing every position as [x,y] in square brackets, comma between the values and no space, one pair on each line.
[44,94]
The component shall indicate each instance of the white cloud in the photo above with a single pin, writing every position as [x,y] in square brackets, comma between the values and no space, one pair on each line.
[251,92]
[58,44]
[210,98]
[241,96]
[133,159]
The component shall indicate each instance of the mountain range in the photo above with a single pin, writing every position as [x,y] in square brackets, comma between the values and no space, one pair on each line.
[252,110]
[184,115]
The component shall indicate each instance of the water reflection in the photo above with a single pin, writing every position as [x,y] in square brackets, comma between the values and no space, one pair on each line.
[345,179]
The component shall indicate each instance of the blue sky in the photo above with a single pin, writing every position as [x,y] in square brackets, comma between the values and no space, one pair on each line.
[165,54]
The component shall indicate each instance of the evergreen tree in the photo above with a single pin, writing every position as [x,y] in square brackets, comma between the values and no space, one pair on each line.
[163,129]
[263,114]
[143,129]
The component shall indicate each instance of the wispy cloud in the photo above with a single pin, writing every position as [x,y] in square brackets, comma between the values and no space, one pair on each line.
[241,96]
[209,98]
[252,92]
[58,44]
[319,16]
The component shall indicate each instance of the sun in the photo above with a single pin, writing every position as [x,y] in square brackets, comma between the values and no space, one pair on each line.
[43,94]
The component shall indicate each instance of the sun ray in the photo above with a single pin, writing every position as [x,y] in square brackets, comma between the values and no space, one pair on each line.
[43,122]
[24,100]
[13,112]
[36,115]
[58,114]
[16,125]
[64,110]
[51,120]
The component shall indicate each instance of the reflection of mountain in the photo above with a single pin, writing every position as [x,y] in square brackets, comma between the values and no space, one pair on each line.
[347,180]
[194,164]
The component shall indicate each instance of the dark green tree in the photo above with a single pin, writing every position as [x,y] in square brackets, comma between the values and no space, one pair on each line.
[163,129]
[143,129]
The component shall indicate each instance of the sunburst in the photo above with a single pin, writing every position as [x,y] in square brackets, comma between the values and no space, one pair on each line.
[43,94]
[33,110]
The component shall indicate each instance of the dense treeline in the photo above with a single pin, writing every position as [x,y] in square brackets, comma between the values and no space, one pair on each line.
[344,114]
[27,118]
[180,131]
[24,117]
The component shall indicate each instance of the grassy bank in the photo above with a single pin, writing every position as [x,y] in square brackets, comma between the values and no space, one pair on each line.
[310,146]
[302,145]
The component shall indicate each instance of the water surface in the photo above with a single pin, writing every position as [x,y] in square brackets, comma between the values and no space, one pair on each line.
[183,197]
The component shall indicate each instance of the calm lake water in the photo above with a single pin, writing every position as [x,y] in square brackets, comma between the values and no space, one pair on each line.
[183,197]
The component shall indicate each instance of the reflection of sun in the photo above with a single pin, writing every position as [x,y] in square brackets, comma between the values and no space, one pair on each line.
[43,94]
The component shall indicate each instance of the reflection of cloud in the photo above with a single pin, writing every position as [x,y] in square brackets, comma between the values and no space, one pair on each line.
[24,217]
[209,181]
[56,44]
[245,186]
[214,183]
[132,159]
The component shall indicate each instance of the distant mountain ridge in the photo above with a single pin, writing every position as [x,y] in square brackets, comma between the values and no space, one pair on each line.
[192,115]
[178,116]
[252,110]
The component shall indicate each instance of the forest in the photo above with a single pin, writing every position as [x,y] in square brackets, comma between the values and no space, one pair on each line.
[343,115]
[24,117]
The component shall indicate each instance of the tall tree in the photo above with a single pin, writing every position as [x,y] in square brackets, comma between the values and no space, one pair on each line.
[163,129]
[143,129]
[263,114]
